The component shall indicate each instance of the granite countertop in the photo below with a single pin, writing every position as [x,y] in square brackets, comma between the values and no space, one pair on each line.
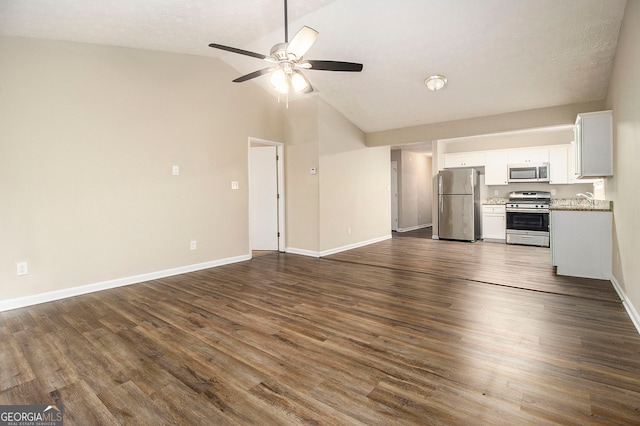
[495,202]
[581,204]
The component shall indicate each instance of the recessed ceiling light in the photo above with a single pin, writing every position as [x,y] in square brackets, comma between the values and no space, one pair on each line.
[435,82]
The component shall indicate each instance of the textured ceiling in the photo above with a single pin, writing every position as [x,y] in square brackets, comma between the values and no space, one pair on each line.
[499,55]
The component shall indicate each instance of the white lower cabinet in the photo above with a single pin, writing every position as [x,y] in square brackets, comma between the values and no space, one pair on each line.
[581,243]
[494,223]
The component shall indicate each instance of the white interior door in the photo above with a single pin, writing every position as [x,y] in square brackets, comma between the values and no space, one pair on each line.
[264,198]
[394,195]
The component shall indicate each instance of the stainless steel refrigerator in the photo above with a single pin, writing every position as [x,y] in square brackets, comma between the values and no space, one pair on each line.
[458,205]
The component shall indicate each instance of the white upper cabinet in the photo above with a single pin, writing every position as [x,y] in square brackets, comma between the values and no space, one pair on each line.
[594,144]
[495,167]
[463,159]
[528,155]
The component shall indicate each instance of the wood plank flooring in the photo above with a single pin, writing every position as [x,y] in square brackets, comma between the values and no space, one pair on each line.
[406,331]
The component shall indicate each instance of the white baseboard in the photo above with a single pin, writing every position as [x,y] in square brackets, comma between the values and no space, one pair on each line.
[413,228]
[302,252]
[50,296]
[310,253]
[354,245]
[628,306]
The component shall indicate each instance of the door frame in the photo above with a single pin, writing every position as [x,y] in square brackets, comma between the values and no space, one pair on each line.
[280,183]
[395,213]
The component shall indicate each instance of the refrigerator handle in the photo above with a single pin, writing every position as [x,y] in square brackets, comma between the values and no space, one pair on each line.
[440,192]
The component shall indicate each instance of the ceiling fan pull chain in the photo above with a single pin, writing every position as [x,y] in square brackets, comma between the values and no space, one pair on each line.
[286,100]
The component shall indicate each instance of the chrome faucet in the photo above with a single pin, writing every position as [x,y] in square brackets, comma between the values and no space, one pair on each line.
[588,196]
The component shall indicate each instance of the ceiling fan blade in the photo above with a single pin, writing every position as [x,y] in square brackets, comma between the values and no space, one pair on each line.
[302,42]
[253,75]
[331,66]
[309,87]
[236,50]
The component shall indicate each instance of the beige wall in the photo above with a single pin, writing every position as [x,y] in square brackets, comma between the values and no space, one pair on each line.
[302,188]
[540,137]
[88,138]
[354,184]
[347,202]
[515,121]
[624,99]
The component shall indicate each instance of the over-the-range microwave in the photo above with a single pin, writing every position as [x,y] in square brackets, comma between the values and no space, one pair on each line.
[528,172]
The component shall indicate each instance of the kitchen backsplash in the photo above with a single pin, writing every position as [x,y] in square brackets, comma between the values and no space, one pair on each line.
[561,191]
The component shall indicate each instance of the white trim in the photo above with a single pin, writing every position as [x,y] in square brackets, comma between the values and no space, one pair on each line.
[310,253]
[413,228]
[354,245]
[628,306]
[21,302]
[302,252]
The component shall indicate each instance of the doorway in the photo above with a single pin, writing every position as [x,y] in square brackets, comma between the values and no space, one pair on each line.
[266,196]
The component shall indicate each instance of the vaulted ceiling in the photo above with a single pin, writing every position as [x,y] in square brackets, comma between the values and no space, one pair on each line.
[499,55]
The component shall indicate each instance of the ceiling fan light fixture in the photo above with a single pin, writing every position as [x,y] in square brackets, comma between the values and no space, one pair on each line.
[298,82]
[279,81]
[435,82]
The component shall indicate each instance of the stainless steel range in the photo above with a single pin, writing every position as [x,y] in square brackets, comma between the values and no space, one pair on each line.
[528,218]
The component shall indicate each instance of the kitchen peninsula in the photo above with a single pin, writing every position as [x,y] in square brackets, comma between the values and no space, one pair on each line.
[581,242]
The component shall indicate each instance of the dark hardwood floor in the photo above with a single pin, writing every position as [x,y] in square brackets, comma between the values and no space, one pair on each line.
[406,331]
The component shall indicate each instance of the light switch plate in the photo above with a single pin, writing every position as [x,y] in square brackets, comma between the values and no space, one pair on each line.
[313,171]
[176,170]
[234,185]
[22,268]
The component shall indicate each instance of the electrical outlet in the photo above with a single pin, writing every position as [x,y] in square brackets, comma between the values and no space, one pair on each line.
[553,192]
[194,245]
[495,192]
[235,185]
[176,170]
[349,231]
[22,268]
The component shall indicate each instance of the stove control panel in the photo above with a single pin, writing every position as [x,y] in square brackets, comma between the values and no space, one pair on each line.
[527,206]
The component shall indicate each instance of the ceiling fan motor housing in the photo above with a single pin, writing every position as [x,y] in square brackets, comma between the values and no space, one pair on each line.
[279,52]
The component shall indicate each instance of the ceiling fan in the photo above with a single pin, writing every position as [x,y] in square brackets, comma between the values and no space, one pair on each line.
[287,61]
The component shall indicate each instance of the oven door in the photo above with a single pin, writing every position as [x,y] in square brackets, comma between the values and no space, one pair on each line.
[528,220]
